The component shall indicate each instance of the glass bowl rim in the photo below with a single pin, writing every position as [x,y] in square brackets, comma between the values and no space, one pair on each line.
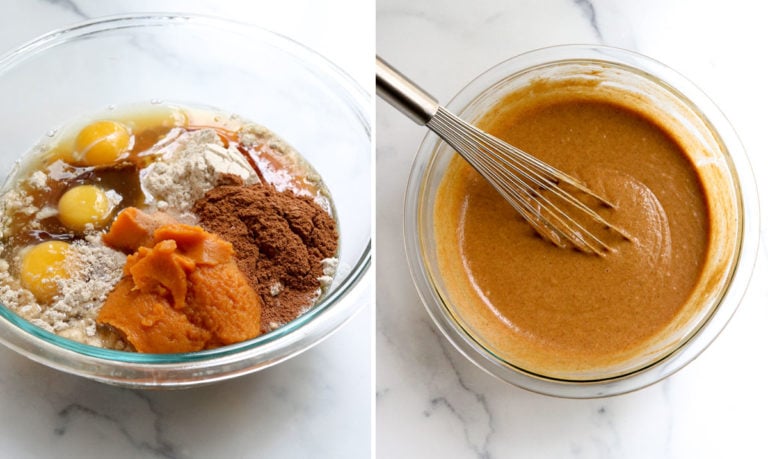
[355,99]
[745,257]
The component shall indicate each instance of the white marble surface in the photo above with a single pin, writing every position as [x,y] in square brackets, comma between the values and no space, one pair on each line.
[318,404]
[431,402]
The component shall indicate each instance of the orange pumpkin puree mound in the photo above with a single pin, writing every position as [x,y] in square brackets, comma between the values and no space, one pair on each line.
[181,290]
[134,229]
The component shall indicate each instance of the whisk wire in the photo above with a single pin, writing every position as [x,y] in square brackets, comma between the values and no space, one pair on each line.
[521,179]
[529,166]
[531,186]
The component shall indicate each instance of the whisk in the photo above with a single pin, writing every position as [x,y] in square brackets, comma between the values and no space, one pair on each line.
[531,186]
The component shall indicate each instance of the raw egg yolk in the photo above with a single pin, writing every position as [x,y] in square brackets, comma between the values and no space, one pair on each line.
[41,266]
[101,142]
[83,205]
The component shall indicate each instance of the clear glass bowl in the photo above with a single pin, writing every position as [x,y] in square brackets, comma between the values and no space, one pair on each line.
[678,104]
[197,61]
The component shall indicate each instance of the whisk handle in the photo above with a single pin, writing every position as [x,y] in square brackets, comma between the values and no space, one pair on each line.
[403,94]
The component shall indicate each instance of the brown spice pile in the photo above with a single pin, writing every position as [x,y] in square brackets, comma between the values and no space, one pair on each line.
[280,240]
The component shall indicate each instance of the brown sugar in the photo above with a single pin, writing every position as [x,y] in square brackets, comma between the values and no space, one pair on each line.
[280,241]
[183,293]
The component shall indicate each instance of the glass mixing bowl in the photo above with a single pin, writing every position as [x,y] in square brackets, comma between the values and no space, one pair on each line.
[705,134]
[197,61]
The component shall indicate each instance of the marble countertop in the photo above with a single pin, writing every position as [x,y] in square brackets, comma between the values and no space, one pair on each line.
[431,401]
[318,404]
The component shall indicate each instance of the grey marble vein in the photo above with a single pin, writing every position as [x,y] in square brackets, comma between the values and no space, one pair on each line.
[607,440]
[482,425]
[158,446]
[70,6]
[589,10]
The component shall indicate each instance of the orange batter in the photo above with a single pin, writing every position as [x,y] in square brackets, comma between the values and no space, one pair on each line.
[559,312]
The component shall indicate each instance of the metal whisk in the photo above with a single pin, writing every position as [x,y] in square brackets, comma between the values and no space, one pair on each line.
[531,186]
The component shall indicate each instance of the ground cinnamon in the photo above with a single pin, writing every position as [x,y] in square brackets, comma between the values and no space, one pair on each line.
[280,240]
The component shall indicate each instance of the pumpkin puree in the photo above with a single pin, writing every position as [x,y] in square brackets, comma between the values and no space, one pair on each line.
[181,290]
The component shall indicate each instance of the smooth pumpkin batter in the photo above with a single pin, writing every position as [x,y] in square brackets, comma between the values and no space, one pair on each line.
[559,312]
